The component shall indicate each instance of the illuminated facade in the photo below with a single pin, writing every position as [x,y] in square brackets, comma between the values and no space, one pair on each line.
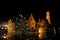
[31,22]
[10,29]
[10,25]
[42,28]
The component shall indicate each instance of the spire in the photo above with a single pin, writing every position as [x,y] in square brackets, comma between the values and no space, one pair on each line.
[31,21]
[48,16]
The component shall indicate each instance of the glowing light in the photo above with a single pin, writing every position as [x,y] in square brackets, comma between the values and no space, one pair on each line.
[10,29]
[5,25]
[41,36]
[41,32]
[48,16]
[2,28]
[4,36]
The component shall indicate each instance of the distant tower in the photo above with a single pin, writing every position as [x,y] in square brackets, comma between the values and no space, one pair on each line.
[48,16]
[31,21]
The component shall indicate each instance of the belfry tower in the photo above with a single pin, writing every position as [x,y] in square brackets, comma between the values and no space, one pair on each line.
[48,16]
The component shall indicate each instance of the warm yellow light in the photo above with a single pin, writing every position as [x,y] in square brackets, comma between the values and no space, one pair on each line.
[10,29]
[41,32]
[40,36]
[48,16]
[31,21]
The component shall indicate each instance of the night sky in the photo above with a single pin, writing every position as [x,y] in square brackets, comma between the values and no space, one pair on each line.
[37,8]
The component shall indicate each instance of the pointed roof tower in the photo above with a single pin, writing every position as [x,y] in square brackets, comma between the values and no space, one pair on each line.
[48,16]
[31,21]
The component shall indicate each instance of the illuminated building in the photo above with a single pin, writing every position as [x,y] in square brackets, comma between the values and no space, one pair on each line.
[42,26]
[23,25]
[10,29]
[3,31]
[31,22]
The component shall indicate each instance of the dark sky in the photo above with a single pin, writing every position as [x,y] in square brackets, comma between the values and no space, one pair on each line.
[37,8]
